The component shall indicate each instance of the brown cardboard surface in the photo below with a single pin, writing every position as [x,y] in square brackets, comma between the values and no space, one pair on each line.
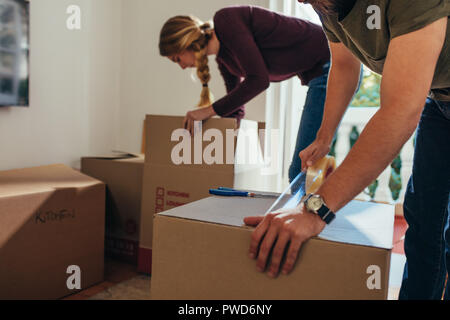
[261,133]
[194,259]
[167,188]
[51,217]
[43,178]
[159,144]
[123,179]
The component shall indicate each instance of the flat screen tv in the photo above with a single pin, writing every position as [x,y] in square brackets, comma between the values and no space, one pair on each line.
[14,52]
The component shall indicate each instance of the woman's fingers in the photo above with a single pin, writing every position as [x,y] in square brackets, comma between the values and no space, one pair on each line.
[190,126]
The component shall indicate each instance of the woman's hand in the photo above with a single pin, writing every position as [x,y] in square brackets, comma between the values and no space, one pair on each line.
[285,229]
[199,114]
[315,151]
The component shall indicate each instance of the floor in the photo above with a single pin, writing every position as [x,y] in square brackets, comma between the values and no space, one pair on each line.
[122,282]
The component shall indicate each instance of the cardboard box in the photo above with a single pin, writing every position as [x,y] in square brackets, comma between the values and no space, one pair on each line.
[168,183]
[122,175]
[51,223]
[200,251]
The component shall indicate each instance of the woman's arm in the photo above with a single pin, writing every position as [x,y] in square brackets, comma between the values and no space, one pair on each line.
[231,81]
[238,38]
[199,114]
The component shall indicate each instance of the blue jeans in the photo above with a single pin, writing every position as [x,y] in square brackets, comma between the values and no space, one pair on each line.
[311,118]
[426,207]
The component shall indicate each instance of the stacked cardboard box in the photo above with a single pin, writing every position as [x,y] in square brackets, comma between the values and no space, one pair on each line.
[51,232]
[122,174]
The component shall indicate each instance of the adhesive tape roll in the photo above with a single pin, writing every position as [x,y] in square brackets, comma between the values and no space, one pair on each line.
[318,173]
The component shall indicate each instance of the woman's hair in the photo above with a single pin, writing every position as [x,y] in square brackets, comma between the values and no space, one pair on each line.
[182,33]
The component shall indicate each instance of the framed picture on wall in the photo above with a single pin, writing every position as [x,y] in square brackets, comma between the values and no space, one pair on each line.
[14,52]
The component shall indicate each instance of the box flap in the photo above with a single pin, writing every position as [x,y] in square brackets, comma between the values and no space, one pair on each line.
[166,140]
[115,155]
[360,223]
[41,179]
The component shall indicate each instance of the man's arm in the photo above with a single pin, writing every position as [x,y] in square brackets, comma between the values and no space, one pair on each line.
[342,83]
[407,76]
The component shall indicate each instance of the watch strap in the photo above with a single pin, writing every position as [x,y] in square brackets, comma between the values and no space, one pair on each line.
[326,214]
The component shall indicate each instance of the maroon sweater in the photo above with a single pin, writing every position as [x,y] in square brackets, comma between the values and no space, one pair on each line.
[258,46]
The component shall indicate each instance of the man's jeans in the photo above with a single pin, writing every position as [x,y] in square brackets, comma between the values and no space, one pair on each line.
[426,207]
[311,118]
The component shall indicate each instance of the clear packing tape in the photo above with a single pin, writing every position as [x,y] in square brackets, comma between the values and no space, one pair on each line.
[305,183]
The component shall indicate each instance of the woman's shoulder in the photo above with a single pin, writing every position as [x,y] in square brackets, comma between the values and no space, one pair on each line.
[228,17]
[228,14]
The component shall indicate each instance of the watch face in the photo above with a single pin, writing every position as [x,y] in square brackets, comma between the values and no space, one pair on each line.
[314,203]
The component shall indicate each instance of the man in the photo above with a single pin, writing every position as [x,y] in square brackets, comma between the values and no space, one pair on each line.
[410,47]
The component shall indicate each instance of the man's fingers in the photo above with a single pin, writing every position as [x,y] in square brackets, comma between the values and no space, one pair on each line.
[305,156]
[277,253]
[266,246]
[253,221]
[258,234]
[291,257]
[312,158]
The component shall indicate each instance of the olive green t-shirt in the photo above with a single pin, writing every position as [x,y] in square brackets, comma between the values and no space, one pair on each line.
[397,17]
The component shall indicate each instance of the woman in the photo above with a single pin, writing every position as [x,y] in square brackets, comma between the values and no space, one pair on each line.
[253,47]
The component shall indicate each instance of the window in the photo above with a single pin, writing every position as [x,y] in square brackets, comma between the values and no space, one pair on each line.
[14,51]
[368,94]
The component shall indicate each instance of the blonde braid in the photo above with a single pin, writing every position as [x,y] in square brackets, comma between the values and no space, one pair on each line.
[201,57]
[203,74]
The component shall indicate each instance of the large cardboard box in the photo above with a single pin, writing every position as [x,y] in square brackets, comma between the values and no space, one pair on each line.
[122,174]
[51,232]
[180,169]
[200,251]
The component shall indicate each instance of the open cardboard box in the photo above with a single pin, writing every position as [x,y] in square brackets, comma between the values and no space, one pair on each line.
[200,251]
[179,169]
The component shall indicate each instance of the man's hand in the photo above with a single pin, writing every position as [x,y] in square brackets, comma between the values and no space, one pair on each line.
[287,229]
[199,114]
[315,151]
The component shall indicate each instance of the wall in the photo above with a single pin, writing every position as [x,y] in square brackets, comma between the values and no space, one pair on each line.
[74,87]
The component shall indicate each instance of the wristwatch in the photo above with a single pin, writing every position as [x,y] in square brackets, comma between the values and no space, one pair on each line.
[315,204]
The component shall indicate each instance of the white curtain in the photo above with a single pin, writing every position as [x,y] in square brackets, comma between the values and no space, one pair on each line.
[284,104]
